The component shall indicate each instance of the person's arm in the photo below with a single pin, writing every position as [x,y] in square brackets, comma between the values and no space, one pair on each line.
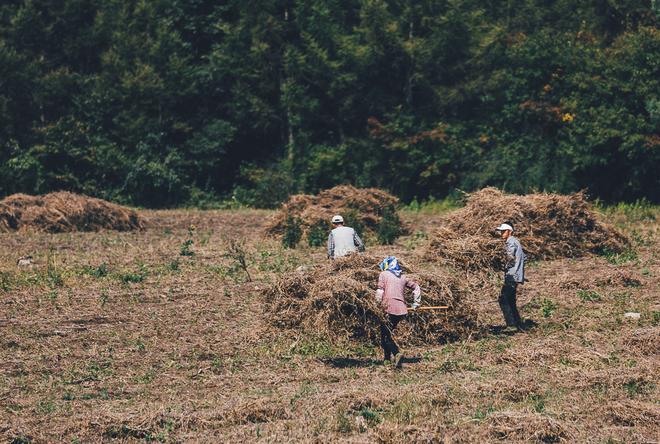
[357,241]
[515,257]
[510,258]
[518,256]
[380,291]
[417,293]
[331,246]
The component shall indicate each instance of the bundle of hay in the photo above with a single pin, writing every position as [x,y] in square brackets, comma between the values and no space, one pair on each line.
[548,226]
[337,302]
[64,212]
[363,207]
[8,220]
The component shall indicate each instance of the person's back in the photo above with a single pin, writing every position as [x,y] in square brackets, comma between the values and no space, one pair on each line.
[394,287]
[344,241]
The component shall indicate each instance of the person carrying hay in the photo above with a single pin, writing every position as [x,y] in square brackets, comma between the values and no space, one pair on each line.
[343,240]
[390,294]
[514,275]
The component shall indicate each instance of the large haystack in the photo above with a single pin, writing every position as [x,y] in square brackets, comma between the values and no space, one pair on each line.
[64,212]
[337,301]
[548,225]
[364,205]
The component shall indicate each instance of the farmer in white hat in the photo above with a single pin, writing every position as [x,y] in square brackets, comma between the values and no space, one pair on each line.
[342,240]
[514,275]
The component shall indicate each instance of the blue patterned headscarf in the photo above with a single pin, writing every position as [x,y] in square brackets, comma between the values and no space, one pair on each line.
[390,263]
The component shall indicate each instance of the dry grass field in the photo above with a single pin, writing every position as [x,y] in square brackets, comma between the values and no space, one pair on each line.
[143,336]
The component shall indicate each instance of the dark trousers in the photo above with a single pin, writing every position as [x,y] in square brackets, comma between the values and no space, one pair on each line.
[507,302]
[386,340]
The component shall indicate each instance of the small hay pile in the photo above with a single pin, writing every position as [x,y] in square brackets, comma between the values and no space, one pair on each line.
[337,302]
[548,226]
[65,212]
[367,205]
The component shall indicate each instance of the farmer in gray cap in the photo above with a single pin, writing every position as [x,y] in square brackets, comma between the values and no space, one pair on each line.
[342,240]
[514,275]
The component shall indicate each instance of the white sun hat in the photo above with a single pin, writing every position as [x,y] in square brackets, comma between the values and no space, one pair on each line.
[337,219]
[504,227]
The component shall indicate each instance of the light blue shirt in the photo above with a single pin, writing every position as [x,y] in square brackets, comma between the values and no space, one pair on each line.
[516,262]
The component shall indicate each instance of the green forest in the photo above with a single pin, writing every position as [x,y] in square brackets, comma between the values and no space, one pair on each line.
[163,103]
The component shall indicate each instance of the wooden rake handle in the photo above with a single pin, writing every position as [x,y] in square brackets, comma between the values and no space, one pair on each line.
[435,307]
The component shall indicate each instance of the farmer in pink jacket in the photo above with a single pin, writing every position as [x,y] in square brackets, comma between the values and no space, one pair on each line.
[390,294]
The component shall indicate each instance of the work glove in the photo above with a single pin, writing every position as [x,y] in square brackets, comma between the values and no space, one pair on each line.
[415,305]
[379,295]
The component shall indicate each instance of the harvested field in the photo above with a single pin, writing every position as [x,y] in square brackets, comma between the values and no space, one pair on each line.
[65,212]
[336,302]
[117,337]
[361,206]
[548,225]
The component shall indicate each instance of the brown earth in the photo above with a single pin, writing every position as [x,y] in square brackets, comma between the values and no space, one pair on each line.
[159,346]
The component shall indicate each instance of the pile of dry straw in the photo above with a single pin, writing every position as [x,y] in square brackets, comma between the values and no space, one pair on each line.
[337,301]
[548,226]
[366,204]
[64,212]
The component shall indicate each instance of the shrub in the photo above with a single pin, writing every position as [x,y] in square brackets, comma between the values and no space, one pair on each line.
[352,219]
[389,227]
[292,232]
[317,234]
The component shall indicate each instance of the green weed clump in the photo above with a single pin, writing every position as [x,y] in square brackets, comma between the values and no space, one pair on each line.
[5,281]
[589,295]
[134,277]
[433,206]
[547,308]
[186,246]
[104,297]
[97,272]
[174,265]
[352,219]
[238,252]
[371,416]
[389,227]
[620,258]
[317,234]
[639,211]
[292,232]
[277,261]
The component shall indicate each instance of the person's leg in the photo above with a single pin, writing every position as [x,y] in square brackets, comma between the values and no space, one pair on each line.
[386,340]
[505,303]
[396,352]
[514,308]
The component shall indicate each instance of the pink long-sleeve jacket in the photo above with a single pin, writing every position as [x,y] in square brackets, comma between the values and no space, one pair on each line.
[393,288]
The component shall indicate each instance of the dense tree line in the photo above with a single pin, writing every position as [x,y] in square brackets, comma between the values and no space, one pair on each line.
[168,102]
